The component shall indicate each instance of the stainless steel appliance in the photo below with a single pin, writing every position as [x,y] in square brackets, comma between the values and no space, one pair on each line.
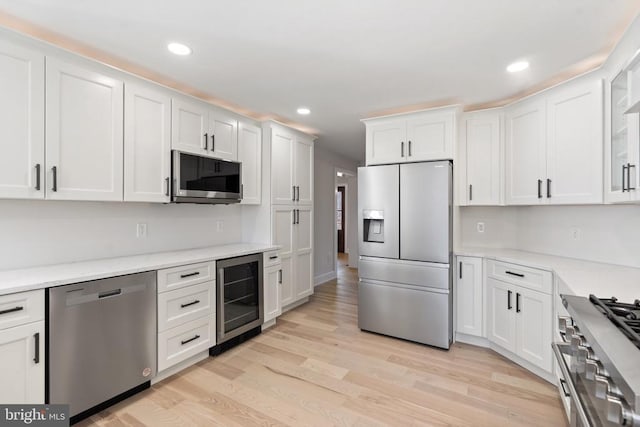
[405,235]
[102,341]
[239,298]
[199,179]
[600,361]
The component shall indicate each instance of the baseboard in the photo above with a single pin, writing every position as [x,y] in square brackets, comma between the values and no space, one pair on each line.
[324,278]
[268,324]
[180,366]
[295,304]
[473,340]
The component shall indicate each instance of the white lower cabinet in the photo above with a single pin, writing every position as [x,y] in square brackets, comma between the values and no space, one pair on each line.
[469,296]
[272,283]
[186,312]
[22,344]
[520,320]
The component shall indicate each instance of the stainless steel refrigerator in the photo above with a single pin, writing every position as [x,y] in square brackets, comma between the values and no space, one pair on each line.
[405,241]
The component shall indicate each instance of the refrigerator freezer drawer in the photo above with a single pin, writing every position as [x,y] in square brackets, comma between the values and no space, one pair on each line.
[423,274]
[415,315]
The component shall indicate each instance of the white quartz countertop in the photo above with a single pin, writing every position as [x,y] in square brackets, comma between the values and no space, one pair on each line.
[576,276]
[63,274]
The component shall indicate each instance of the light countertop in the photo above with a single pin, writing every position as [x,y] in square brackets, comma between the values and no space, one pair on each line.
[63,274]
[576,276]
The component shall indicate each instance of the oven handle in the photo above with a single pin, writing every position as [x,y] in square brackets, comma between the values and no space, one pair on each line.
[575,398]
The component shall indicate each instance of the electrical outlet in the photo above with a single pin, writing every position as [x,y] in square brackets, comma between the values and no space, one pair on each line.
[141,230]
[480,227]
[219,226]
[576,233]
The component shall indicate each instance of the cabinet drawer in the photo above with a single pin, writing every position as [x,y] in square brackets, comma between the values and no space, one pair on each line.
[21,308]
[532,278]
[186,304]
[271,258]
[182,342]
[185,275]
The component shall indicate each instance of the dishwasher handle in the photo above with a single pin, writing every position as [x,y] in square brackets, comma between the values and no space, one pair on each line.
[108,294]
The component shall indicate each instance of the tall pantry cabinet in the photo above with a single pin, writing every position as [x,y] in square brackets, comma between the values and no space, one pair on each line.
[291,196]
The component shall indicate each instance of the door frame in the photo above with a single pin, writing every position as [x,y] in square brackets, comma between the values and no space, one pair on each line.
[347,215]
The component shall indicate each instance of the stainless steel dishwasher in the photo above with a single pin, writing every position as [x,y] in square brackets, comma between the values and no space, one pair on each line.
[102,341]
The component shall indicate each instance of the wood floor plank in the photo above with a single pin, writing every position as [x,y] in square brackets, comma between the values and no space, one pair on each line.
[316,368]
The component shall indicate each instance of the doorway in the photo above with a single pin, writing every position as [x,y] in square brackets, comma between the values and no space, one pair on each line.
[345,214]
[341,225]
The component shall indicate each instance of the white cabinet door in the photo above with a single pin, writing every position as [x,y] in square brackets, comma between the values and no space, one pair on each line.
[84,114]
[574,144]
[430,137]
[526,153]
[282,178]
[250,155]
[303,259]
[21,122]
[303,165]
[282,234]
[469,296]
[501,311]
[482,147]
[534,327]
[22,364]
[287,295]
[386,142]
[223,131]
[147,144]
[189,124]
[272,280]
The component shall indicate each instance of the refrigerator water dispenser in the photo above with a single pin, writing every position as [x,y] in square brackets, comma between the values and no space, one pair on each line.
[373,224]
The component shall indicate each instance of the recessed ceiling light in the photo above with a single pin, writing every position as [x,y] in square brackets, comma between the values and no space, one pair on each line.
[517,66]
[179,49]
[304,111]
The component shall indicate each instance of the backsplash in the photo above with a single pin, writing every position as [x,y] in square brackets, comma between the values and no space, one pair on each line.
[48,232]
[602,233]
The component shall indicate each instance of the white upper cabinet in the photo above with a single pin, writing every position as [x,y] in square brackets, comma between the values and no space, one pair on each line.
[282,178]
[147,144]
[303,170]
[198,128]
[554,146]
[250,155]
[223,131]
[481,145]
[525,152]
[414,137]
[575,144]
[84,133]
[190,123]
[21,122]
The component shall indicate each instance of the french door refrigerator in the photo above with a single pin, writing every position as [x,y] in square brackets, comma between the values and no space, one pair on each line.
[405,241]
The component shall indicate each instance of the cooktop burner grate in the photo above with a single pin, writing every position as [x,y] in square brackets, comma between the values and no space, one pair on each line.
[625,316]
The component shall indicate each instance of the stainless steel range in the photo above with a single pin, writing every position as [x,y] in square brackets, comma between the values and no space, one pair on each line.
[600,361]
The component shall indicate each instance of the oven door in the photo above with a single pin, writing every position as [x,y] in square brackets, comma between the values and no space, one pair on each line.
[199,179]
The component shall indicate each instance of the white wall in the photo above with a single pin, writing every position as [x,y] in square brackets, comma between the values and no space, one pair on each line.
[324,245]
[605,233]
[47,232]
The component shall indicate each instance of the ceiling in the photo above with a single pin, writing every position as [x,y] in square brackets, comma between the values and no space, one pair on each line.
[344,59]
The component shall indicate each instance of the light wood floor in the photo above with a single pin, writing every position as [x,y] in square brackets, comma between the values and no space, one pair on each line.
[315,367]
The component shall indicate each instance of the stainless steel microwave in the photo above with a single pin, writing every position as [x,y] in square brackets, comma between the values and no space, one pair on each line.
[199,179]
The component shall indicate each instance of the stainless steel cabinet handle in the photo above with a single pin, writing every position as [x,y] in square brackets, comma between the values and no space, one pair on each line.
[273,257]
[36,356]
[280,276]
[11,310]
[629,187]
[624,168]
[548,188]
[460,270]
[563,384]
[293,212]
[298,198]
[184,276]
[401,148]
[168,184]
[470,192]
[54,186]
[518,302]
[189,340]
[293,189]
[213,142]
[297,216]
[511,273]
[206,140]
[189,303]
[409,148]
[38,176]
[509,306]
[539,189]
